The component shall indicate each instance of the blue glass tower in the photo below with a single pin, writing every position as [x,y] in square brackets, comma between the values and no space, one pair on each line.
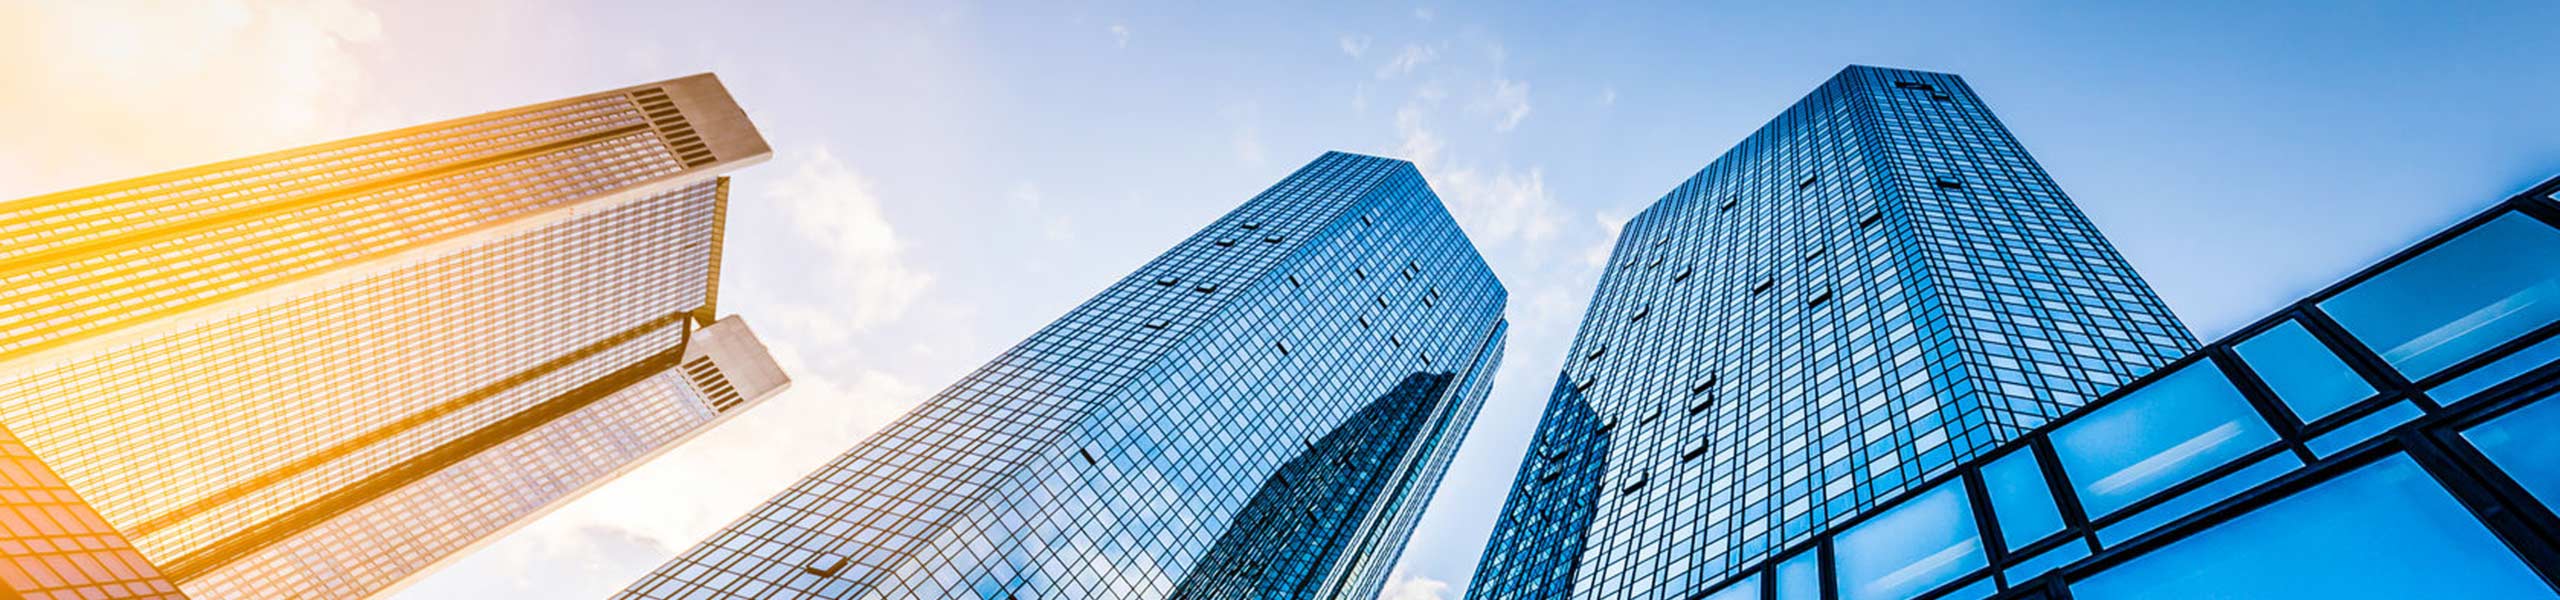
[1873,287]
[1260,412]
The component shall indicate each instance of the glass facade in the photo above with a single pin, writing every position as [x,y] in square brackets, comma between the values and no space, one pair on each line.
[1877,285]
[2210,479]
[290,375]
[1260,412]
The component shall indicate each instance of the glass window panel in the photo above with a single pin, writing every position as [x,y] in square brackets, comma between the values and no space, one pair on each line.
[2478,290]
[2265,470]
[2532,357]
[2363,428]
[2020,500]
[2383,531]
[2180,425]
[1746,589]
[2522,444]
[1915,547]
[2049,560]
[1800,578]
[2302,371]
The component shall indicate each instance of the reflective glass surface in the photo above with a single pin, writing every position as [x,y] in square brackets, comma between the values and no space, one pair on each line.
[2020,500]
[1747,588]
[2532,357]
[2383,531]
[2180,425]
[1911,548]
[1800,577]
[2526,444]
[1260,411]
[2302,371]
[2459,299]
[2363,428]
[1874,286]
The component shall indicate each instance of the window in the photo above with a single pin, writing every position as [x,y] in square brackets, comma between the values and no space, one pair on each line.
[1249,225]
[1926,542]
[1947,182]
[1817,299]
[1167,281]
[1871,218]
[2521,443]
[1226,243]
[1273,239]
[1913,85]
[1729,203]
[1800,577]
[2180,425]
[1764,284]
[2020,500]
[2302,371]
[2385,530]
[1747,588]
[2474,292]
[1808,181]
[1205,288]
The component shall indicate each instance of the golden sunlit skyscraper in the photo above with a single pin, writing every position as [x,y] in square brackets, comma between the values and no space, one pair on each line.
[318,372]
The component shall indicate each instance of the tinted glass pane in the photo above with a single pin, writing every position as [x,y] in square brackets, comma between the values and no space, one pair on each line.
[2302,371]
[2019,499]
[1800,578]
[2363,428]
[2532,357]
[2478,290]
[2185,423]
[1746,589]
[2383,531]
[1914,547]
[2523,444]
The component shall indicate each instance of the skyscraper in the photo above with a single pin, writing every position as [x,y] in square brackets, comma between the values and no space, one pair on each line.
[1260,412]
[1875,286]
[316,372]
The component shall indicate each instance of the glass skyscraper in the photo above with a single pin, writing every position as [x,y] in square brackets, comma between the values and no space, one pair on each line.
[1260,412]
[314,373]
[1875,286]
[2388,437]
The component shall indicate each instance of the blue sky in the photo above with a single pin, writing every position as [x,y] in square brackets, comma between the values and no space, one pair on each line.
[950,176]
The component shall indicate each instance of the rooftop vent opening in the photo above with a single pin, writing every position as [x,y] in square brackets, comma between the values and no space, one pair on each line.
[1949,182]
[1914,85]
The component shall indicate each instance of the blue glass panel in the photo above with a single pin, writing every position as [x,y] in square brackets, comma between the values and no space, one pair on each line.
[2302,371]
[2483,288]
[2180,425]
[2457,389]
[1746,589]
[2049,560]
[2363,428]
[2020,500]
[1800,578]
[2383,531]
[2523,444]
[1914,547]
[2265,470]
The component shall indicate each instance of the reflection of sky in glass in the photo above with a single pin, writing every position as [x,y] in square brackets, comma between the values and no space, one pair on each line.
[2384,531]
[2474,292]
[1914,547]
[2302,371]
[2522,443]
[1800,578]
[1746,589]
[2183,424]
[2020,500]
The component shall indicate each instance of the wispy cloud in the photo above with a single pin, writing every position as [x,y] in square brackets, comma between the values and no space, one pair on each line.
[1405,586]
[1509,103]
[1353,46]
[1029,204]
[1245,118]
[1120,34]
[1496,205]
[1413,56]
[835,209]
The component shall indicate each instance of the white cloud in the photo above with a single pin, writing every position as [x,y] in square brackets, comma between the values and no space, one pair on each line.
[1120,34]
[1353,46]
[1424,13]
[106,76]
[1496,207]
[861,261]
[1413,56]
[1596,255]
[1609,96]
[1403,586]
[1509,103]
